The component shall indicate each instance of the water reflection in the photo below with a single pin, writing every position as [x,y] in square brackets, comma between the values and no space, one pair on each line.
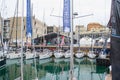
[54,69]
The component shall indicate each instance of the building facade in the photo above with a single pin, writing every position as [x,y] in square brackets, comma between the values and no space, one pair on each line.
[51,29]
[12,29]
[95,29]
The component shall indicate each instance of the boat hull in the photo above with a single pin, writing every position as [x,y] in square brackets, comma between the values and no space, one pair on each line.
[2,62]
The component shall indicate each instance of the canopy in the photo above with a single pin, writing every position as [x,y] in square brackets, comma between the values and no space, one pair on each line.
[49,37]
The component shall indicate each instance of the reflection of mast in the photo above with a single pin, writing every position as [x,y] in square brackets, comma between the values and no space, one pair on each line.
[79,71]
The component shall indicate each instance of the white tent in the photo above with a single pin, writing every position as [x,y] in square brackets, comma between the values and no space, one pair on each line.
[86,41]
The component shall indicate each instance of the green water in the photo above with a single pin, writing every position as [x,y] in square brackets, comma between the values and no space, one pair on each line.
[53,69]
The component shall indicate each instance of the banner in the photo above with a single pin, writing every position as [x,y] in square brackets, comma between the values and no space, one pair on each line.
[62,42]
[28,20]
[66,16]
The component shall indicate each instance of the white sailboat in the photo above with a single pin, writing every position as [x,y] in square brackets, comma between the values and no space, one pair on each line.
[11,53]
[2,55]
[67,54]
[91,54]
[45,54]
[103,54]
[29,54]
[58,53]
[79,53]
[14,54]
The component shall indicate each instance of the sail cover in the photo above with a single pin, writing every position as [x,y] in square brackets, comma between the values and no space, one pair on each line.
[28,20]
[115,39]
[66,16]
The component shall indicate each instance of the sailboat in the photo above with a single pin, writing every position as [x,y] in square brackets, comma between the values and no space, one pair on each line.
[103,53]
[68,27]
[79,53]
[59,53]
[91,53]
[11,53]
[67,53]
[29,54]
[2,51]
[45,53]
[2,59]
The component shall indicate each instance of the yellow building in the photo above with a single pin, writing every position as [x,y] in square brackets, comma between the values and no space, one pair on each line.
[80,29]
[94,27]
[13,25]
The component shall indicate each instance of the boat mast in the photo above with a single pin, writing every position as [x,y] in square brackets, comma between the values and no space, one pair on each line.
[79,38]
[17,22]
[2,23]
[71,46]
[92,42]
[22,25]
[33,45]
[44,41]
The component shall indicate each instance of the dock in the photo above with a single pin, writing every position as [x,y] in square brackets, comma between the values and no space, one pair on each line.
[64,46]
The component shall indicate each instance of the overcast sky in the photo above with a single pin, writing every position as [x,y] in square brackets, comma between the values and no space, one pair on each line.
[100,9]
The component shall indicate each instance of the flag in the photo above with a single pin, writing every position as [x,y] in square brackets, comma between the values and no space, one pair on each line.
[62,42]
[28,20]
[66,16]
